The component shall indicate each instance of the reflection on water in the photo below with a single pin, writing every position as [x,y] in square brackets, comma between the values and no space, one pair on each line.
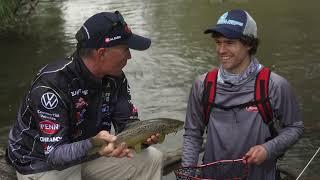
[161,76]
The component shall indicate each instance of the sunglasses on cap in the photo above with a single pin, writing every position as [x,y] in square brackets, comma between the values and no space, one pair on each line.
[117,28]
[120,23]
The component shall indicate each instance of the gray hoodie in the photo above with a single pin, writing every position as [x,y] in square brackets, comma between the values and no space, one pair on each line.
[230,134]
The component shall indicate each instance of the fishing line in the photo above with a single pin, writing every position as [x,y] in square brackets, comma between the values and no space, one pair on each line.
[308,163]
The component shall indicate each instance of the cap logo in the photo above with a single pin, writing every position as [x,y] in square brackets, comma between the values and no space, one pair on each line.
[107,40]
[223,20]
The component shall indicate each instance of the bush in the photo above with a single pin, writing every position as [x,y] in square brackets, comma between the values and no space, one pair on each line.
[13,12]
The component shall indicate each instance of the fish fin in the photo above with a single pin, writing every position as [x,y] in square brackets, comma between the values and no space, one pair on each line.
[161,138]
[137,147]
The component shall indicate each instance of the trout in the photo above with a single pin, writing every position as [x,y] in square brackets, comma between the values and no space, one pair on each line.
[139,131]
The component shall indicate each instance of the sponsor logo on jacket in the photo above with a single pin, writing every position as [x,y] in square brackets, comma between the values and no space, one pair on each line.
[47,149]
[49,100]
[49,127]
[80,116]
[50,139]
[81,103]
[44,117]
[48,114]
[79,91]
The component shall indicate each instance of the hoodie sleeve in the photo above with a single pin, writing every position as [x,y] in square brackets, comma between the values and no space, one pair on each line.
[194,125]
[287,113]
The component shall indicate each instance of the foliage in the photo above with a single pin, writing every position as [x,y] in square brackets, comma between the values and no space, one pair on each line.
[13,12]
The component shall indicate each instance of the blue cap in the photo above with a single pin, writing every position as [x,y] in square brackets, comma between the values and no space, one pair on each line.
[107,29]
[234,24]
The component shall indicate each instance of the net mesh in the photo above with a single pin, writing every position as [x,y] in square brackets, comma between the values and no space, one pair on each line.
[220,170]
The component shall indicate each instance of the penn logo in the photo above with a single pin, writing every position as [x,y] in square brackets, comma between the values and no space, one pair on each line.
[49,127]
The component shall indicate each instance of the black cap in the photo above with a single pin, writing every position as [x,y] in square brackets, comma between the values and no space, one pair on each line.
[107,29]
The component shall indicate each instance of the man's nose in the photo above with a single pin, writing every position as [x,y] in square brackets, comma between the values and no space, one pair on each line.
[221,48]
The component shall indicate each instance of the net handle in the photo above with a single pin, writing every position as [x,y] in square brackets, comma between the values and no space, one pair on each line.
[220,161]
[180,174]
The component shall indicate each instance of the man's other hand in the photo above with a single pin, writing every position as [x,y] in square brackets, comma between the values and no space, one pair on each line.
[256,155]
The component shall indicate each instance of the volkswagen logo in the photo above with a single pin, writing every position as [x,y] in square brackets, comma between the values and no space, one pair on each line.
[49,100]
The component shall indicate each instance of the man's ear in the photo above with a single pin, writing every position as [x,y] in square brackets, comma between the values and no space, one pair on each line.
[102,52]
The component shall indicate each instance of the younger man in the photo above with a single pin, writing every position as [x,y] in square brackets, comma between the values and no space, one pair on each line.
[232,112]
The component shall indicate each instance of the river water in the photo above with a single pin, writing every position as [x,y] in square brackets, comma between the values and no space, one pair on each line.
[161,77]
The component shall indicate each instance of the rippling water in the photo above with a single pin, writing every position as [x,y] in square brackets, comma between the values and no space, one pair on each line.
[161,77]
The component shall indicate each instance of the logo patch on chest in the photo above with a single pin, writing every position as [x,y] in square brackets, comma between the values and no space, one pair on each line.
[49,127]
[49,100]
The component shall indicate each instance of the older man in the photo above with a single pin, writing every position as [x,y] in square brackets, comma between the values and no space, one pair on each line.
[72,104]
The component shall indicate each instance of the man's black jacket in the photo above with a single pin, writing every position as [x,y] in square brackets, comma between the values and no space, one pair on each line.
[65,106]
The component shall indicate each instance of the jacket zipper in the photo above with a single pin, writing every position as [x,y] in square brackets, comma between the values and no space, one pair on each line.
[99,119]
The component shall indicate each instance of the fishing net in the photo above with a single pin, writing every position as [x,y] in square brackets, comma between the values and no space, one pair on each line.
[219,170]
